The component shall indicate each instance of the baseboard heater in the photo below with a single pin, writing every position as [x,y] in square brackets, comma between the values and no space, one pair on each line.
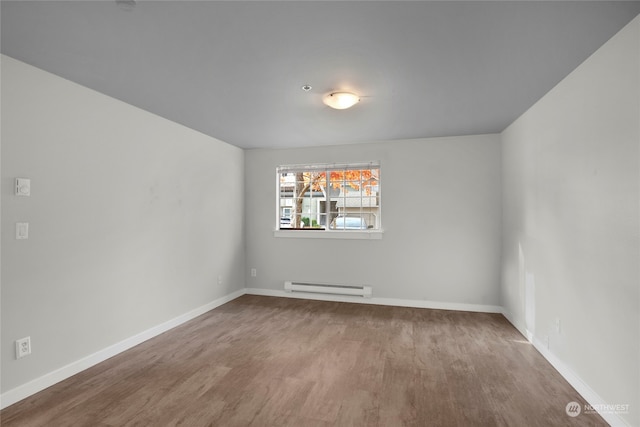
[326,288]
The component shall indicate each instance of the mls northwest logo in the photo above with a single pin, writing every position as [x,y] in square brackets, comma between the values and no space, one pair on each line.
[573,409]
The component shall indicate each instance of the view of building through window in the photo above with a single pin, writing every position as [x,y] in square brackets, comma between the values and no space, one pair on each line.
[329,197]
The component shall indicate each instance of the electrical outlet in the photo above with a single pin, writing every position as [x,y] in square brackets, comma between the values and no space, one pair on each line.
[220,280]
[558,325]
[254,272]
[23,347]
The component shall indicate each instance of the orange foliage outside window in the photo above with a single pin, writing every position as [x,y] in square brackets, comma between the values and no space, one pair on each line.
[317,181]
[340,179]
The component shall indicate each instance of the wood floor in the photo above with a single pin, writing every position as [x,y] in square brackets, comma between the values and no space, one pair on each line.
[265,361]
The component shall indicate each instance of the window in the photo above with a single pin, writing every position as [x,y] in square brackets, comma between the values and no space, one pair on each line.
[329,197]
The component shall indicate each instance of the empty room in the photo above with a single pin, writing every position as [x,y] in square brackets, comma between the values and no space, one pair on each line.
[320,213]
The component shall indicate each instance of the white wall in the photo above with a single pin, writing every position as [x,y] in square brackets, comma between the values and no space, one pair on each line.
[571,221]
[132,219]
[441,214]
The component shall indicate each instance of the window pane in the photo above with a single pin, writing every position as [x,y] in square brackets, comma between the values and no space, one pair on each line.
[322,197]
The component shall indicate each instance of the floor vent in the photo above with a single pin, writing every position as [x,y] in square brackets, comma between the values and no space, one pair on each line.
[326,288]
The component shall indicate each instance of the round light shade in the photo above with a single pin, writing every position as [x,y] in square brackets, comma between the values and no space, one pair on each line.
[341,100]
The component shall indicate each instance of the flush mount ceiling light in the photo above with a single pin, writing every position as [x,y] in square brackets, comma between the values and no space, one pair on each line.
[341,100]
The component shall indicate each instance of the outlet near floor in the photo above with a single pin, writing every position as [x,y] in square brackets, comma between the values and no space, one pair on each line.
[23,347]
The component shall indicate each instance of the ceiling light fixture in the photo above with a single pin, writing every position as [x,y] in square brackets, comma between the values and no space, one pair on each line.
[341,100]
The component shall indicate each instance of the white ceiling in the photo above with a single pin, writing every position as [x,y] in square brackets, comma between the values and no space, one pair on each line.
[234,69]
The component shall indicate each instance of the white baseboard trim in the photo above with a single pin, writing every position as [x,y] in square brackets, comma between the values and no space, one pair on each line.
[571,377]
[581,387]
[378,301]
[515,324]
[23,391]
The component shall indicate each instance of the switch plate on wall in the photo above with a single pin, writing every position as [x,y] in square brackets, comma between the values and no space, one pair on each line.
[22,230]
[23,187]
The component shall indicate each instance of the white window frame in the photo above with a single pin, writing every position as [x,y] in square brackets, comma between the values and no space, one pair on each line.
[327,232]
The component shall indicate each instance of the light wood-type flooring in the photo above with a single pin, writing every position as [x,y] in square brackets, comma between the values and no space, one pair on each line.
[266,361]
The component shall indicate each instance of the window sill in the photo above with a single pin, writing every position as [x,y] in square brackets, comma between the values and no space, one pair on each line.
[328,234]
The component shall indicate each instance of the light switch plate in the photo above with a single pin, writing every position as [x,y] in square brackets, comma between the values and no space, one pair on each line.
[22,230]
[23,187]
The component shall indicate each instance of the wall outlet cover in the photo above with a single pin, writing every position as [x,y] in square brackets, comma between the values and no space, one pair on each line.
[23,347]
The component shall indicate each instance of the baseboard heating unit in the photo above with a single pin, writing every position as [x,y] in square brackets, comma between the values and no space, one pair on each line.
[326,288]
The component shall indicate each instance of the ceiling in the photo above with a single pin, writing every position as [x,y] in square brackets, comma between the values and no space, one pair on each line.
[234,69]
